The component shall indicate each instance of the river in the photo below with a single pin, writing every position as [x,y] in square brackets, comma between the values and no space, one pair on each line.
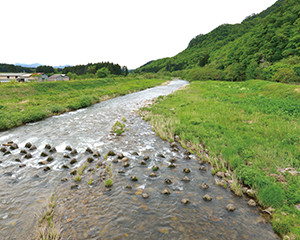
[91,211]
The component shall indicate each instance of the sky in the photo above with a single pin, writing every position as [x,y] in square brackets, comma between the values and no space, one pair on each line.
[128,32]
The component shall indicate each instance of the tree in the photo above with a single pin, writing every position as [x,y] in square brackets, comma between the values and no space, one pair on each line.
[103,72]
[45,69]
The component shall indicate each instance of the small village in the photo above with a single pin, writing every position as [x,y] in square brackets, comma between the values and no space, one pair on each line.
[31,77]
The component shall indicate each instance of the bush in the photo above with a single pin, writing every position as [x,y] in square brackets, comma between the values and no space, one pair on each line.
[285,75]
[108,183]
[272,195]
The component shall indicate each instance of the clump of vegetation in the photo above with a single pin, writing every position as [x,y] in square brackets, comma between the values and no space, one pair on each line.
[108,183]
[47,230]
[90,182]
[249,127]
[77,178]
[118,128]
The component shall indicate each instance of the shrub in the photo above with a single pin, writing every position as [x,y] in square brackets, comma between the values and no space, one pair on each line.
[271,195]
[284,75]
[108,183]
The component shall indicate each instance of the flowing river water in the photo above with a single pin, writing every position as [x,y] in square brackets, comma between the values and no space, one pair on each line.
[91,211]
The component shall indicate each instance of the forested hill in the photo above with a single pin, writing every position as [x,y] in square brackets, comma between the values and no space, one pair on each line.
[266,46]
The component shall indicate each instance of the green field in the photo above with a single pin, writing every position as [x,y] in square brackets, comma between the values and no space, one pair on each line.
[251,128]
[21,103]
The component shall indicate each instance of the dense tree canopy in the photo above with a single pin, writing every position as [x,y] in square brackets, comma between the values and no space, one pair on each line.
[245,50]
[10,68]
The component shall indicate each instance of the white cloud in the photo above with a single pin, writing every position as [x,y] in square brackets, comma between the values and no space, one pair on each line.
[131,32]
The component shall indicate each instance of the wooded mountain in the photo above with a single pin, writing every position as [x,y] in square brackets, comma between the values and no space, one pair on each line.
[266,46]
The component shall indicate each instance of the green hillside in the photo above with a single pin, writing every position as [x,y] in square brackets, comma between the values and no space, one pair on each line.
[265,46]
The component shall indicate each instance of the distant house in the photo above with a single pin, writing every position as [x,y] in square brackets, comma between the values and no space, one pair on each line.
[58,77]
[23,77]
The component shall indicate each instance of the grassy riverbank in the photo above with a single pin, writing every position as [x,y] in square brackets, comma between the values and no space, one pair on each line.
[21,103]
[251,128]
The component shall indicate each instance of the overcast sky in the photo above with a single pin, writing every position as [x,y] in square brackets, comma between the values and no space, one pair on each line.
[127,32]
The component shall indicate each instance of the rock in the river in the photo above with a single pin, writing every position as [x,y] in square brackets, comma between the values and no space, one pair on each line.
[7,153]
[65,166]
[172,165]
[186,170]
[152,175]
[173,145]
[187,157]
[185,179]
[43,154]
[74,152]
[135,153]
[17,160]
[161,155]
[68,148]
[23,151]
[3,149]
[202,168]
[126,164]
[207,197]
[230,207]
[13,146]
[42,162]
[99,164]
[50,159]
[116,160]
[146,158]
[134,178]
[121,171]
[120,155]
[166,191]
[22,165]
[73,161]
[96,154]
[143,162]
[125,159]
[145,195]
[172,160]
[204,186]
[185,201]
[73,172]
[52,150]
[47,169]
[66,156]
[28,155]
[155,168]
[251,203]
[75,186]
[111,153]
[28,145]
[48,146]
[89,150]
[64,179]
[32,148]
[251,193]
[128,187]
[168,181]
[90,160]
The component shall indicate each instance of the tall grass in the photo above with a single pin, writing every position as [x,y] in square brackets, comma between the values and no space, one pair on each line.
[252,127]
[21,103]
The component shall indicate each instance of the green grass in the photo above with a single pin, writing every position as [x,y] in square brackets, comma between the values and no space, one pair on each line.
[21,103]
[249,127]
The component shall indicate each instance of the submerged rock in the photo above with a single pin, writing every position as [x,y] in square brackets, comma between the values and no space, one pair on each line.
[161,155]
[186,170]
[230,207]
[143,162]
[64,179]
[185,179]
[42,162]
[17,160]
[172,160]
[204,186]
[207,197]
[202,168]
[145,195]
[116,160]
[146,158]
[135,153]
[128,187]
[172,165]
[185,201]
[121,171]
[46,169]
[166,191]
[75,186]
[73,172]
[134,178]
[152,175]
[168,181]
[22,165]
